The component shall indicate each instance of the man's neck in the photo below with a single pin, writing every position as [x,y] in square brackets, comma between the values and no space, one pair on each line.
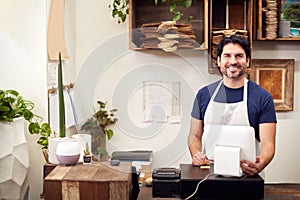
[234,82]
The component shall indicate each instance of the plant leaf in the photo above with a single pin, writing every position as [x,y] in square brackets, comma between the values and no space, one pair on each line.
[109,133]
[102,151]
[88,124]
[177,16]
[61,105]
[114,12]
[4,108]
[187,3]
[34,128]
[172,6]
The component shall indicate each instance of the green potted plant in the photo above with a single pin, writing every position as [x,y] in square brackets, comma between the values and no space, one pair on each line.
[13,105]
[120,8]
[62,120]
[87,156]
[98,126]
[14,111]
[61,137]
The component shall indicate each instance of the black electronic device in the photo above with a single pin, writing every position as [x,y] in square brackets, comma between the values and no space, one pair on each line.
[218,187]
[166,182]
[166,173]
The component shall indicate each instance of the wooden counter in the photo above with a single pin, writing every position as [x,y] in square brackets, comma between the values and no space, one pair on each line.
[97,181]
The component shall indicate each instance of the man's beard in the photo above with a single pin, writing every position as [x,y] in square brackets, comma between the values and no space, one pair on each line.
[233,75]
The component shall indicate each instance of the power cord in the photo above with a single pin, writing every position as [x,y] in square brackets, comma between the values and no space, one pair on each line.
[201,181]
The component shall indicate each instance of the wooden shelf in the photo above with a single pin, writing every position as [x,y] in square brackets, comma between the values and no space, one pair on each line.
[143,12]
[229,16]
[282,39]
[261,23]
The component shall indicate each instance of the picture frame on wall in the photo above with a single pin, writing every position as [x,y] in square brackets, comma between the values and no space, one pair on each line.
[277,77]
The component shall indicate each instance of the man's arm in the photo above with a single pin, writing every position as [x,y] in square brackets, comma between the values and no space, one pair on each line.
[267,133]
[195,141]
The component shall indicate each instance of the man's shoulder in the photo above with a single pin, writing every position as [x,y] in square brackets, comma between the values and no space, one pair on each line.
[209,88]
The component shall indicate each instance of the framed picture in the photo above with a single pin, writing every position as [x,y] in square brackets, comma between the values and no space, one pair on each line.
[277,77]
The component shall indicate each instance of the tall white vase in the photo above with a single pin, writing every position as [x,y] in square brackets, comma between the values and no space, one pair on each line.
[14,160]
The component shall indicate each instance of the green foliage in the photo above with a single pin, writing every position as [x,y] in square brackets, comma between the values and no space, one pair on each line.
[13,105]
[43,130]
[62,121]
[291,11]
[86,151]
[105,118]
[102,151]
[120,8]
[101,119]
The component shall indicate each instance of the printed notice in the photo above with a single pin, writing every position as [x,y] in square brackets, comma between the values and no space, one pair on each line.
[161,100]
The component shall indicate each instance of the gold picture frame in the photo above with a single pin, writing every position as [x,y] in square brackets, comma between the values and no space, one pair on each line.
[277,77]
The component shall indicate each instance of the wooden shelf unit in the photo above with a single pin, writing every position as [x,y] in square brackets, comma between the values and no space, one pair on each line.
[144,12]
[260,32]
[228,15]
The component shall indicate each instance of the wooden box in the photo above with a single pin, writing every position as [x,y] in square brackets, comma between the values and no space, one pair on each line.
[97,181]
[228,16]
[146,12]
[263,21]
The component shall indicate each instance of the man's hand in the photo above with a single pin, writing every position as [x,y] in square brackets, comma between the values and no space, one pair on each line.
[250,168]
[199,159]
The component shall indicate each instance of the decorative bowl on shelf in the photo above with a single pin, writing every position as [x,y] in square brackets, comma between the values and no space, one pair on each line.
[68,152]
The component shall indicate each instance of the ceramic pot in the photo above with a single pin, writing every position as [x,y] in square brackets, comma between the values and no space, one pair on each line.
[14,160]
[87,159]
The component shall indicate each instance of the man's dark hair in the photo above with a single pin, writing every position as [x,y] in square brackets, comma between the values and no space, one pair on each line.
[244,43]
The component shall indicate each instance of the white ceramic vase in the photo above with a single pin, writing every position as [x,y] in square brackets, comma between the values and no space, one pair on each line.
[14,160]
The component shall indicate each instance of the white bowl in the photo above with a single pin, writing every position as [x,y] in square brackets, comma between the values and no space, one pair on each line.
[68,152]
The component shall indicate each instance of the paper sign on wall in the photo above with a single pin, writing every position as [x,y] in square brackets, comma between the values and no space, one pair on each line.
[161,101]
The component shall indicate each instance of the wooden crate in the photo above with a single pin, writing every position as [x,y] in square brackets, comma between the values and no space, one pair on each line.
[261,25]
[145,12]
[227,15]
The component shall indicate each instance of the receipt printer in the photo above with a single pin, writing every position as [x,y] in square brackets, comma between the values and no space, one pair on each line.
[166,182]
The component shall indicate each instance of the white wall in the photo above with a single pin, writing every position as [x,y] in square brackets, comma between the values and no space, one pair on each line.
[23,67]
[90,27]
[284,168]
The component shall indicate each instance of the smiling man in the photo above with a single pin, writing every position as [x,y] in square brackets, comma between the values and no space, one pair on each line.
[234,100]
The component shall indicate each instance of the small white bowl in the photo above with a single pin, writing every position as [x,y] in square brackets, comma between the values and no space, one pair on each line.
[68,152]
